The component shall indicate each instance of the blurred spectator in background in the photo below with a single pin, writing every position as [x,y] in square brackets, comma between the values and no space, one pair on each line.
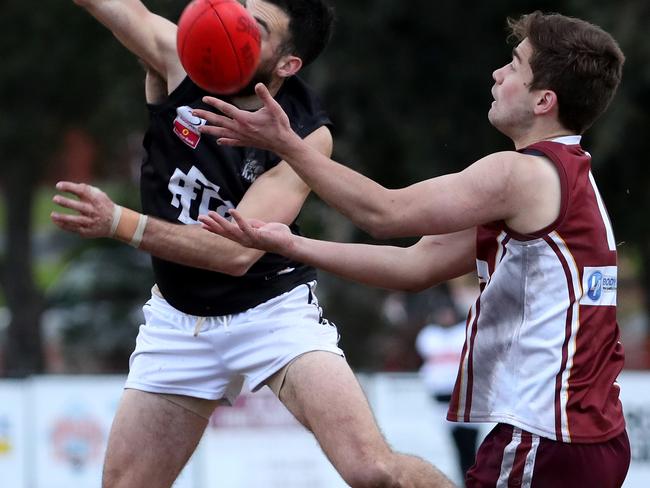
[439,343]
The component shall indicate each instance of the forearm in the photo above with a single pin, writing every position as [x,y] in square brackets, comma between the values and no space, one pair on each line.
[183,244]
[430,261]
[378,266]
[365,202]
[191,246]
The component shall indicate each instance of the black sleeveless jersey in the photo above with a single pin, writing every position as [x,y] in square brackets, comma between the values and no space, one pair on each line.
[184,174]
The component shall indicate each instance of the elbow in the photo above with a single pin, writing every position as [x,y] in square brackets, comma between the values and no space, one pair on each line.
[380,228]
[377,233]
[373,224]
[416,286]
[417,280]
[385,216]
[238,266]
[383,224]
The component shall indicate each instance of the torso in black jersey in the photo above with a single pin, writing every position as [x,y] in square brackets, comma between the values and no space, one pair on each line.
[185,174]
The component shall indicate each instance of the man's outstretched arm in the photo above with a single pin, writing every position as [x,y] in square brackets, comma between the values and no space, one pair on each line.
[277,195]
[430,261]
[450,203]
[148,36]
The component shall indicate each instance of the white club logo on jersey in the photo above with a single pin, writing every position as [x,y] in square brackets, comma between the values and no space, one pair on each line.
[252,167]
[186,189]
[186,126]
[599,286]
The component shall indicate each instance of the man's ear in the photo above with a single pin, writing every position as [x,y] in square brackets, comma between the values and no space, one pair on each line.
[288,66]
[546,102]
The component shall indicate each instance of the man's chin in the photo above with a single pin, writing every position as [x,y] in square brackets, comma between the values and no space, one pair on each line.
[492,118]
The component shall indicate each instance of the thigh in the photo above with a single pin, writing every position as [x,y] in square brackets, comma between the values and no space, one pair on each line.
[324,395]
[151,440]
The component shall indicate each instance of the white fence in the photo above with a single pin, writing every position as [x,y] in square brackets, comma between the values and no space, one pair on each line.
[53,431]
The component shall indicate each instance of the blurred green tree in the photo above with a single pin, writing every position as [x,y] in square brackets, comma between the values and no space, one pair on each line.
[408,86]
[61,70]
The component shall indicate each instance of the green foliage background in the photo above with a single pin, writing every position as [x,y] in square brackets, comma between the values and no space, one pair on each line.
[407,84]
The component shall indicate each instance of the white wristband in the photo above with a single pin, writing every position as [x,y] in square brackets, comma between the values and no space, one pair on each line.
[139,231]
[117,214]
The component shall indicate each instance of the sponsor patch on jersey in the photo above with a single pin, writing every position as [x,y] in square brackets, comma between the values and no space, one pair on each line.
[599,286]
[186,126]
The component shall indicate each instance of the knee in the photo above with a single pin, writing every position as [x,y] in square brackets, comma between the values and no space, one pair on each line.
[373,474]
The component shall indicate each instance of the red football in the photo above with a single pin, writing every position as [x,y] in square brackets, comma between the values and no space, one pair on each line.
[218,43]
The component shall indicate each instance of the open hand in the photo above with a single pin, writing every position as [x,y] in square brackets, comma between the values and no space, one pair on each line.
[94,209]
[272,237]
[267,128]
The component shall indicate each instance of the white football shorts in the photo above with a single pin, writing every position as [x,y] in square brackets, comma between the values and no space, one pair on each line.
[214,357]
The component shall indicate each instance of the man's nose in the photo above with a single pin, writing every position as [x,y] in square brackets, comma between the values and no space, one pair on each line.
[496,75]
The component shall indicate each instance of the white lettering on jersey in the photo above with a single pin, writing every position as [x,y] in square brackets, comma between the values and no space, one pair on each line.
[599,286]
[185,190]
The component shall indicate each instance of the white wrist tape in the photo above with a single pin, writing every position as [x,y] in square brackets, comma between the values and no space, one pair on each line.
[128,225]
[139,231]
[117,214]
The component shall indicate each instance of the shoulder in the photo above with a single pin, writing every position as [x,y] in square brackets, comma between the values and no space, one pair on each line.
[517,169]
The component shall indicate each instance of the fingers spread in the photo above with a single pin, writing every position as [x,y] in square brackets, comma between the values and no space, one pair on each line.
[70,187]
[77,205]
[263,93]
[241,221]
[216,131]
[214,119]
[224,107]
[267,99]
[208,224]
[71,223]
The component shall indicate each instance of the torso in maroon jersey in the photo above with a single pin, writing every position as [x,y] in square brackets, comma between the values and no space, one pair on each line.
[542,349]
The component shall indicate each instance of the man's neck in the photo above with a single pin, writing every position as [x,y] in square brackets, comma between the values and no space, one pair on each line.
[252,102]
[542,134]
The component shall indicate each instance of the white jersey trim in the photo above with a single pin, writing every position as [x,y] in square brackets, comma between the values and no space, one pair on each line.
[611,242]
[575,323]
[464,377]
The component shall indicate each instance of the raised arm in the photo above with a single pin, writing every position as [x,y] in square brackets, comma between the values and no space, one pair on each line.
[432,260]
[150,37]
[520,189]
[277,195]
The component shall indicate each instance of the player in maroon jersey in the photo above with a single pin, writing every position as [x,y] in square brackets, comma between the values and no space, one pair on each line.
[541,354]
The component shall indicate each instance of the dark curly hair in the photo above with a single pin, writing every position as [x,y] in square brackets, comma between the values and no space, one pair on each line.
[310,27]
[579,61]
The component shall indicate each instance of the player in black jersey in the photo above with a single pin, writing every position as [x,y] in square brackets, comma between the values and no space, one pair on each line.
[221,314]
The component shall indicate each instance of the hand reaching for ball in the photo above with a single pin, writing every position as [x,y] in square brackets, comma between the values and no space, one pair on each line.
[273,237]
[267,128]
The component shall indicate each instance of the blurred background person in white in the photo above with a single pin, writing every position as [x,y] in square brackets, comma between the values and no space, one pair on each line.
[439,344]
